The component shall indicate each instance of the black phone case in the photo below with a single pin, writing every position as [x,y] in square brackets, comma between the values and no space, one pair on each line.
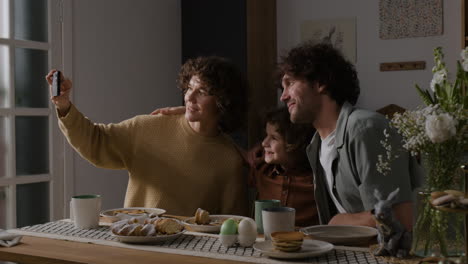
[56,84]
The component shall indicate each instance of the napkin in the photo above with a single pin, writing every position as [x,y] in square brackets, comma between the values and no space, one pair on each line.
[8,239]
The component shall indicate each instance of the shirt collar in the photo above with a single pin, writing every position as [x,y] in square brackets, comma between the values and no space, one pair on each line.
[346,110]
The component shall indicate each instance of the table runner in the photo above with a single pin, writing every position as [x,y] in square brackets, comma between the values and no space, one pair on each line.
[189,243]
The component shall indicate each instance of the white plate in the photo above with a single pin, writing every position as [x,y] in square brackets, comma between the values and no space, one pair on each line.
[147,239]
[341,234]
[115,217]
[310,248]
[214,226]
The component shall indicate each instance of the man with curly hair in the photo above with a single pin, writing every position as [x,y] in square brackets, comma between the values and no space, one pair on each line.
[321,87]
[178,162]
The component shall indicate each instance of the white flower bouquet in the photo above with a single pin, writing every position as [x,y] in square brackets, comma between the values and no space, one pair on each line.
[438,133]
[438,130]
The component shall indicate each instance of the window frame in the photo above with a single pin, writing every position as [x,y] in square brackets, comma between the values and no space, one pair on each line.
[57,155]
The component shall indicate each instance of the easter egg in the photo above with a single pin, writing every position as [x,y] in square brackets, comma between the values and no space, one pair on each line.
[229,227]
[247,232]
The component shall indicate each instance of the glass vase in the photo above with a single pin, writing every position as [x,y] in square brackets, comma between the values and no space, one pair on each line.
[436,232]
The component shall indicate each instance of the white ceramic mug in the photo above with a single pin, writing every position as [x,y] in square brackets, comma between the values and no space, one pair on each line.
[259,206]
[84,210]
[277,219]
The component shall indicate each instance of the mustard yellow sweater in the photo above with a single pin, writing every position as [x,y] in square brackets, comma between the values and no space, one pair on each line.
[169,165]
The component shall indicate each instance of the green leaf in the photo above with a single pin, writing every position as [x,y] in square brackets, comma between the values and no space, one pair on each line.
[425,95]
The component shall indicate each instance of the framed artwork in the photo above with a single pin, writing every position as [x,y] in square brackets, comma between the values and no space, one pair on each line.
[410,18]
[341,33]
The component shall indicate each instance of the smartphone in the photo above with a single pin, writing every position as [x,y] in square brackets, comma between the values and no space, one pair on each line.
[56,84]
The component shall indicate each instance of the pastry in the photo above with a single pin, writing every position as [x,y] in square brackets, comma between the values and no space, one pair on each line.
[123,231]
[287,241]
[150,220]
[133,220]
[148,230]
[129,212]
[150,227]
[202,217]
[135,230]
[168,226]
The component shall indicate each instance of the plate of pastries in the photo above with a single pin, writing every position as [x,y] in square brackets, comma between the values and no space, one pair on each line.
[204,222]
[147,230]
[131,212]
[292,245]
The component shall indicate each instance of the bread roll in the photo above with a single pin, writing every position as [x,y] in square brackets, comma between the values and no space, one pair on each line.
[202,217]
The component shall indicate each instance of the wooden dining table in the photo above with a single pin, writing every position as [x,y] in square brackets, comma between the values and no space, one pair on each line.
[38,250]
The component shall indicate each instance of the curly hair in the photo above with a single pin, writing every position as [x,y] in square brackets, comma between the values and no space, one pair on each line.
[224,81]
[324,64]
[296,136]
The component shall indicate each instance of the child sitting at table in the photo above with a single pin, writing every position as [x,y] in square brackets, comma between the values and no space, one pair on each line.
[281,170]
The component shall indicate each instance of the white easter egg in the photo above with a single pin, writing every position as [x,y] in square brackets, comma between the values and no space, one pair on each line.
[228,240]
[247,230]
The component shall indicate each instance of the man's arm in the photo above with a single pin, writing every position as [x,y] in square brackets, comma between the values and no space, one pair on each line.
[360,219]
[403,212]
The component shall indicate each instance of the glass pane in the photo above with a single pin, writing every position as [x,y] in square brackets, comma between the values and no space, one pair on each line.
[31,88]
[3,148]
[4,74]
[32,204]
[3,207]
[4,19]
[32,145]
[31,20]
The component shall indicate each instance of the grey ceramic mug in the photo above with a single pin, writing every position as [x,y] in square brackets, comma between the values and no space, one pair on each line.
[259,206]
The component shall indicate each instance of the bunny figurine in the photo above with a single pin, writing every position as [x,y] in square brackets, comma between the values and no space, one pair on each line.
[393,239]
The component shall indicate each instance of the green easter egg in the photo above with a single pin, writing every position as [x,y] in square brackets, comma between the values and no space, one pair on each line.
[229,227]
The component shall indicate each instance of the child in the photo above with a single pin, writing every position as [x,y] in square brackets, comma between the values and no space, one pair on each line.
[284,172]
[279,168]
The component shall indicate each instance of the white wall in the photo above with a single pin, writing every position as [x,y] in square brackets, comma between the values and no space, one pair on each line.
[377,88]
[126,56]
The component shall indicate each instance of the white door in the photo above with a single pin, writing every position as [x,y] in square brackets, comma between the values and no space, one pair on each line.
[31,149]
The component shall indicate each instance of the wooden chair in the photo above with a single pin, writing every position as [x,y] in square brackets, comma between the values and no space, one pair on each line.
[390,110]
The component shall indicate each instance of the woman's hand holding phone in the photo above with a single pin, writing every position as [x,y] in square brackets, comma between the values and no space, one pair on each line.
[60,95]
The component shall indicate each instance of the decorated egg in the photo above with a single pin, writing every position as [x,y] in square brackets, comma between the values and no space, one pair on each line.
[229,227]
[228,240]
[247,232]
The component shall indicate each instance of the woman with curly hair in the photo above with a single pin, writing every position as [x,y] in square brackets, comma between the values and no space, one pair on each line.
[177,162]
